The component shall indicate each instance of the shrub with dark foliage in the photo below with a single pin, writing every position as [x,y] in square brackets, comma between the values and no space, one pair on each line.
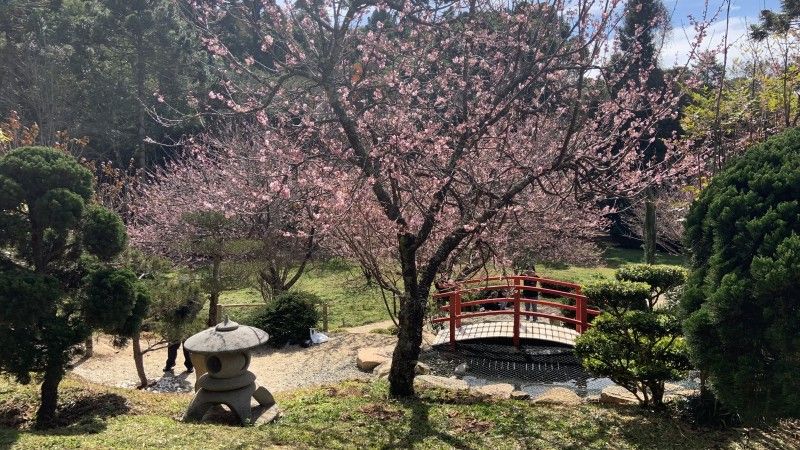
[288,317]
[638,350]
[742,298]
[54,286]
[634,344]
[661,278]
[618,297]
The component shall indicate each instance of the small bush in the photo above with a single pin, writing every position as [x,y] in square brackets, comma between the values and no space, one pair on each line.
[662,278]
[705,410]
[288,317]
[618,297]
[638,350]
[176,305]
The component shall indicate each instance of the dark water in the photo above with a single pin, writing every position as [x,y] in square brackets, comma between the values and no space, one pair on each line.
[533,368]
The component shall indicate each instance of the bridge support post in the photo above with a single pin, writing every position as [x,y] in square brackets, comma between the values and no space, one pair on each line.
[455,312]
[580,315]
[516,312]
[458,309]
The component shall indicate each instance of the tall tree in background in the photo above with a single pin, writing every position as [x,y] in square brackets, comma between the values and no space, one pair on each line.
[101,69]
[645,22]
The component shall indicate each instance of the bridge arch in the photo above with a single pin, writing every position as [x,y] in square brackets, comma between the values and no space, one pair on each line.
[453,300]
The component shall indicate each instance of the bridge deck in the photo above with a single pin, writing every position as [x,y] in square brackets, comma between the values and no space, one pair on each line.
[498,329]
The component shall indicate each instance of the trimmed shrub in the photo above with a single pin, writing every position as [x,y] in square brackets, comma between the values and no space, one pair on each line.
[110,298]
[618,297]
[288,317]
[662,278]
[638,350]
[741,299]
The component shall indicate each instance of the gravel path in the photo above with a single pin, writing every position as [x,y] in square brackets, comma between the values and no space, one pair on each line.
[278,370]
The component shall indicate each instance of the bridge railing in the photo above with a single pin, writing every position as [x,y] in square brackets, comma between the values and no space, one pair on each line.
[512,288]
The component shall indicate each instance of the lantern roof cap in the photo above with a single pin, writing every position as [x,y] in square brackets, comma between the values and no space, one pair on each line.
[226,336]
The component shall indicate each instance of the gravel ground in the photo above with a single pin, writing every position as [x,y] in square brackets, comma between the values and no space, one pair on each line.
[278,370]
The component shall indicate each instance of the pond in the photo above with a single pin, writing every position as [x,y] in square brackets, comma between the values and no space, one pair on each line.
[534,368]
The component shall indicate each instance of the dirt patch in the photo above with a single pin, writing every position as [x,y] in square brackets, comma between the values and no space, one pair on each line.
[278,370]
[381,412]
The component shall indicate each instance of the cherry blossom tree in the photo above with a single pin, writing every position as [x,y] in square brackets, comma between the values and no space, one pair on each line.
[227,199]
[435,126]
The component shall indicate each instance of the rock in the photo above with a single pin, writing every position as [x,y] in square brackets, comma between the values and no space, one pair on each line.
[617,395]
[499,390]
[520,395]
[382,370]
[368,358]
[460,369]
[422,369]
[558,396]
[432,381]
[677,392]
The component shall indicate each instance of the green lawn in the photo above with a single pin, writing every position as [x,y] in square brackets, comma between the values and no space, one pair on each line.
[360,415]
[611,260]
[341,286]
[352,303]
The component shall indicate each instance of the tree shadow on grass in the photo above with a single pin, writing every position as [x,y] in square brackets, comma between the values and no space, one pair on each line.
[420,428]
[86,414]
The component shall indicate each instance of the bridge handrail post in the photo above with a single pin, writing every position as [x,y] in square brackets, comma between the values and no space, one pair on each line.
[457,305]
[516,311]
[455,314]
[580,314]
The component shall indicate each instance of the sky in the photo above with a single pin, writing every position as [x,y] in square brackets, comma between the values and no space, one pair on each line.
[743,14]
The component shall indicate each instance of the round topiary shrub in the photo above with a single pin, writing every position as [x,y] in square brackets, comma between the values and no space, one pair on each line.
[288,317]
[741,300]
[638,350]
[618,297]
[662,278]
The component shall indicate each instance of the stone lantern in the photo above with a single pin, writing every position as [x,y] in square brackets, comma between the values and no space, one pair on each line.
[225,350]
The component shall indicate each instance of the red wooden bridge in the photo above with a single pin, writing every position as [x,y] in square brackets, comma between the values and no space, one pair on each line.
[565,321]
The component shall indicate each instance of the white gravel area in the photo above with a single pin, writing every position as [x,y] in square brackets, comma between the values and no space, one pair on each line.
[277,369]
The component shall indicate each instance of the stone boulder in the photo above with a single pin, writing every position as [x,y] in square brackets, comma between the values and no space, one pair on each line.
[422,369]
[383,369]
[368,358]
[498,391]
[433,381]
[617,395]
[520,395]
[674,392]
[558,396]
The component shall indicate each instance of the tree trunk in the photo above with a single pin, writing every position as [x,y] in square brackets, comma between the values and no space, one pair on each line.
[139,75]
[657,395]
[88,347]
[46,414]
[213,296]
[138,359]
[650,227]
[412,317]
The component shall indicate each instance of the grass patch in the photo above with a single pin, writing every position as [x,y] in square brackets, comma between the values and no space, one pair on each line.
[352,303]
[360,415]
[612,258]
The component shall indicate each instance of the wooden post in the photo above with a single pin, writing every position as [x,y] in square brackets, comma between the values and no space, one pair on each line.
[458,308]
[220,312]
[516,311]
[325,316]
[580,314]
[452,312]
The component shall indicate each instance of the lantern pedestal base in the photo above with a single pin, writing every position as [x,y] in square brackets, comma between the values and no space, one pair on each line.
[237,400]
